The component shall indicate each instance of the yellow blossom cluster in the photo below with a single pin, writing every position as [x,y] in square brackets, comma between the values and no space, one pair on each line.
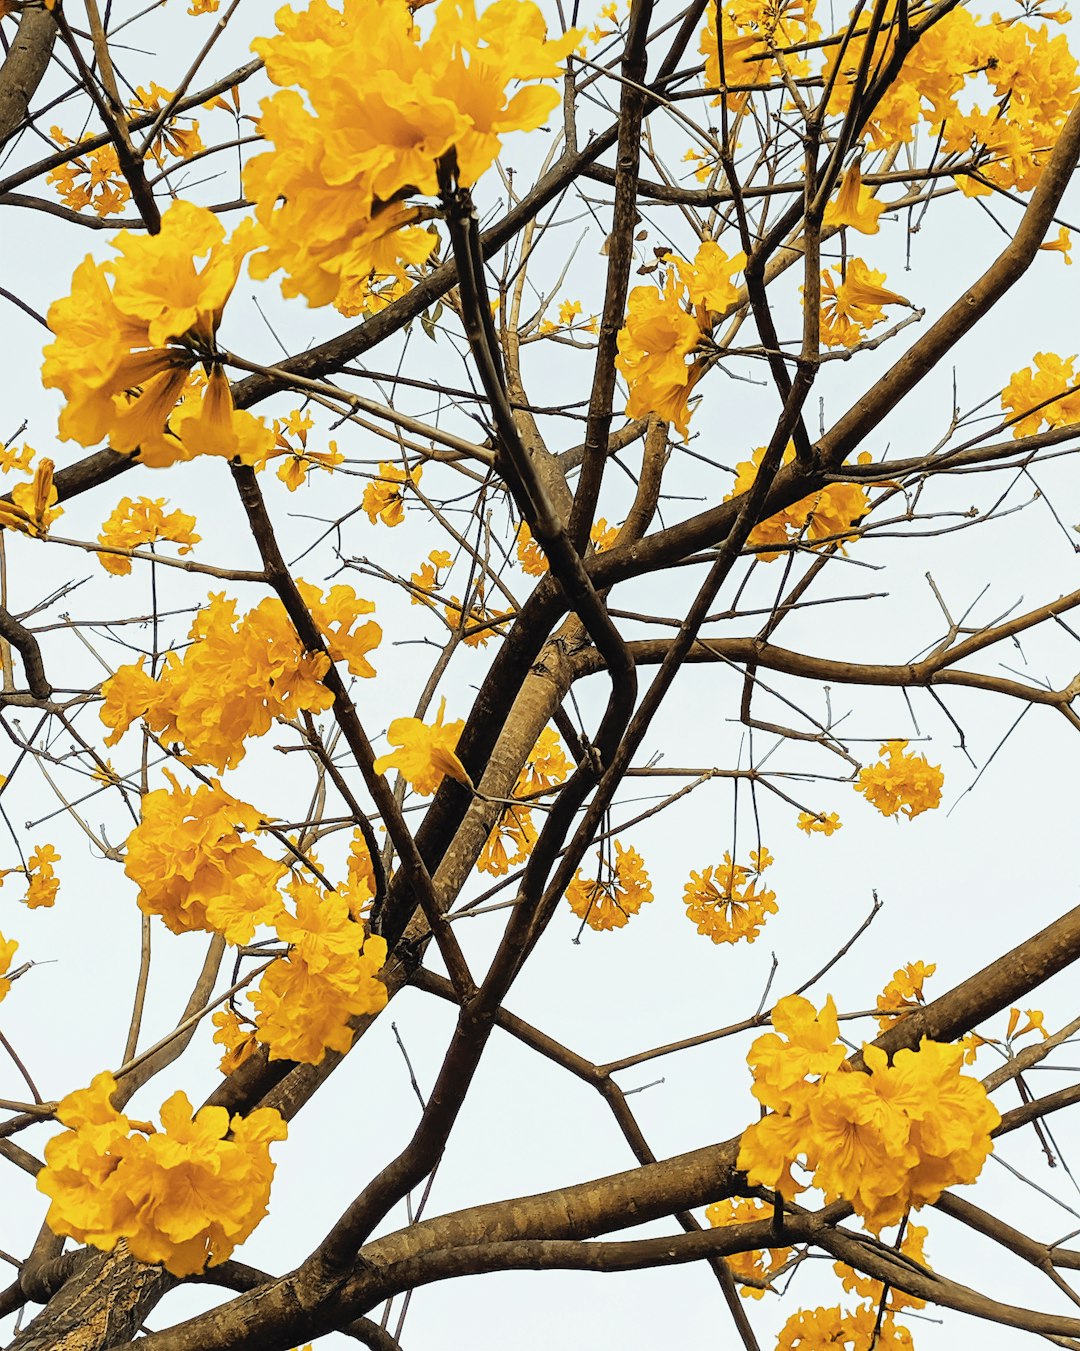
[426,581]
[904,783]
[831,1329]
[886,1140]
[20,459]
[359,887]
[665,326]
[754,28]
[297,460]
[184,1196]
[819,824]
[194,867]
[304,1000]
[725,901]
[143,521]
[756,1265]
[532,558]
[1047,392]
[425,752]
[384,497]
[43,881]
[332,196]
[32,508]
[608,899]
[8,947]
[131,330]
[514,834]
[92,178]
[851,306]
[279,679]
[824,516]
[912,1246]
[477,624]
[237,1036]
[903,993]
[174,139]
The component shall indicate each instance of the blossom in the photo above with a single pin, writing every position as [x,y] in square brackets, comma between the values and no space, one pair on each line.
[819,824]
[759,1265]
[906,783]
[852,306]
[607,900]
[279,679]
[1062,245]
[510,842]
[425,752]
[139,323]
[32,508]
[903,993]
[1044,392]
[725,901]
[384,496]
[546,765]
[854,205]
[911,1246]
[823,516]
[887,1140]
[44,882]
[7,952]
[194,868]
[144,521]
[426,580]
[239,1041]
[304,1001]
[184,1196]
[333,196]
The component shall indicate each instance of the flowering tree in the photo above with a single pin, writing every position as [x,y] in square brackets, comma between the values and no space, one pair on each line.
[385,652]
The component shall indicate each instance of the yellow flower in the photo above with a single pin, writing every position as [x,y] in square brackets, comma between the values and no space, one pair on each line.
[654,344]
[239,1041]
[757,1265]
[852,306]
[1045,392]
[547,764]
[725,903]
[184,1196]
[425,752]
[1062,245]
[44,882]
[607,901]
[907,783]
[903,992]
[384,497]
[820,824]
[32,508]
[7,952]
[144,521]
[853,204]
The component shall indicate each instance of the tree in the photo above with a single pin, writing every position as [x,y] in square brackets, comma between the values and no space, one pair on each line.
[602,595]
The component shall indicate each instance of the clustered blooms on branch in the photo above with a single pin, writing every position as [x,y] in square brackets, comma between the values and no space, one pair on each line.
[279,678]
[726,903]
[905,783]
[888,1140]
[333,196]
[614,892]
[184,1196]
[144,521]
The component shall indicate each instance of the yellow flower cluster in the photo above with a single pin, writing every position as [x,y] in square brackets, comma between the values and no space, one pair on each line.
[143,522]
[305,999]
[483,622]
[532,558]
[608,900]
[819,824]
[1046,392]
[825,515]
[173,139]
[194,868]
[514,834]
[912,1245]
[236,1036]
[829,1329]
[890,1139]
[280,679]
[903,993]
[184,1196]
[755,28]
[384,497]
[332,196]
[93,178]
[44,883]
[725,903]
[757,1265]
[664,327]
[853,305]
[140,323]
[905,783]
